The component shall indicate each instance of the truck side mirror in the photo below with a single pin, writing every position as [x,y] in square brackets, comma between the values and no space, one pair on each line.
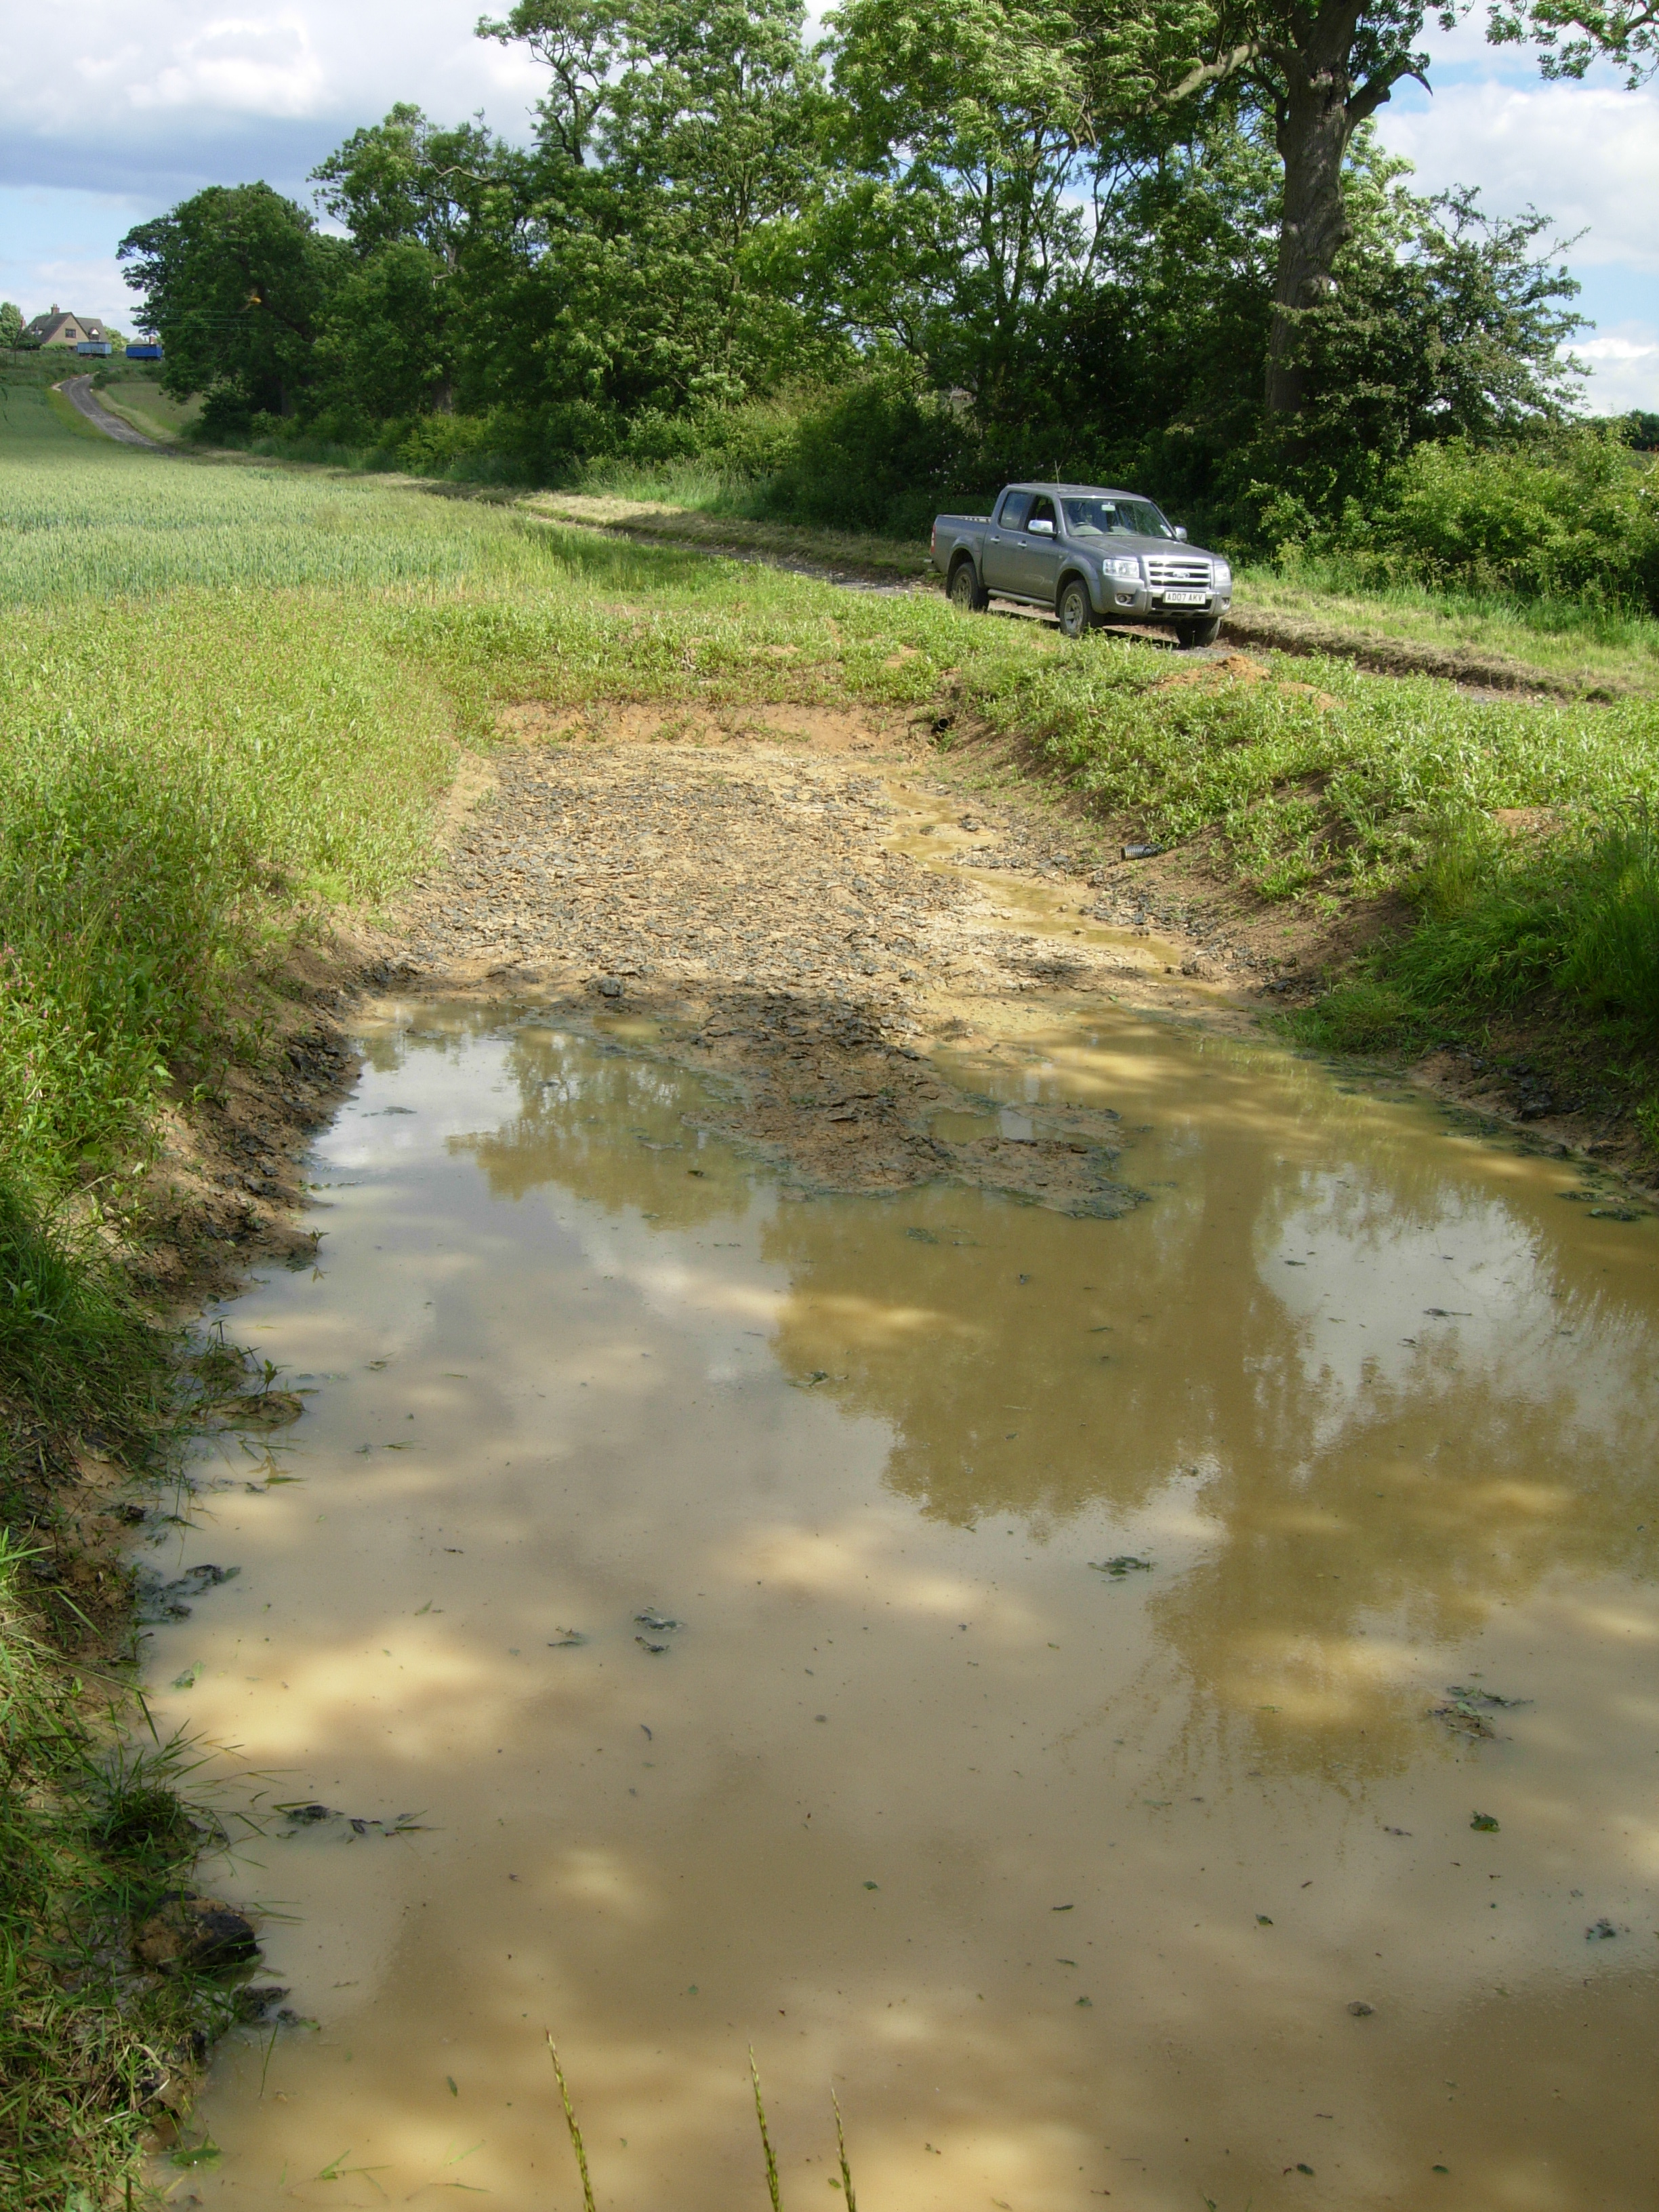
[1042,527]
[1181,532]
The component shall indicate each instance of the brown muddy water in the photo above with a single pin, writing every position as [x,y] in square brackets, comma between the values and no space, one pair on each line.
[1157,1884]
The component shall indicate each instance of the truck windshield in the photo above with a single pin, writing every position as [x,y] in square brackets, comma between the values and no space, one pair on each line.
[1115,518]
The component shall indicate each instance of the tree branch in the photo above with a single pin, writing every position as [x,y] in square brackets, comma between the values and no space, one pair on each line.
[1203,73]
[1371,95]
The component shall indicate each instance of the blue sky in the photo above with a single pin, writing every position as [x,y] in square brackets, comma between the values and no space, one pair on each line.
[108,115]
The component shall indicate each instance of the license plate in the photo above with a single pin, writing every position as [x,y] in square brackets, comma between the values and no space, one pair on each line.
[1185,598]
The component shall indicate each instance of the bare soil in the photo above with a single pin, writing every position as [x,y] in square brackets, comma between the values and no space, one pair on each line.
[800,899]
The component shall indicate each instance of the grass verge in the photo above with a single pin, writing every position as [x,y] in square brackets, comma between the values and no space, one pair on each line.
[187,778]
[1552,941]
[1575,648]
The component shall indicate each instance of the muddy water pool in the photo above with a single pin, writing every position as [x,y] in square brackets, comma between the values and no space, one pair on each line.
[1066,1872]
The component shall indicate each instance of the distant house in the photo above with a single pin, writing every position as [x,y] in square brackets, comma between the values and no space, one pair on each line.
[58,329]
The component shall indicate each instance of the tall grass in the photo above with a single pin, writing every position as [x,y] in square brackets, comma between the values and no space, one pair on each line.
[88,1843]
[76,1350]
[1323,778]
[1576,917]
[175,781]
[1458,609]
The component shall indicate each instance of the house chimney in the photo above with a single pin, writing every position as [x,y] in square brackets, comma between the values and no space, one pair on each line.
[54,306]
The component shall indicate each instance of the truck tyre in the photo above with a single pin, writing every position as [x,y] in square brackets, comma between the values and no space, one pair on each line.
[967,595]
[1075,608]
[1191,635]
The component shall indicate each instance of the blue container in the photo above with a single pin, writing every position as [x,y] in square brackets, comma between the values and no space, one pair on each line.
[146,352]
[94,346]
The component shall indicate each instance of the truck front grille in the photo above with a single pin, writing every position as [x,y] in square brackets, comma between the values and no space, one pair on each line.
[1181,572]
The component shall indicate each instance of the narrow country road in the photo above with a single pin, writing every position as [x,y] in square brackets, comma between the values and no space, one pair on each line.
[78,390]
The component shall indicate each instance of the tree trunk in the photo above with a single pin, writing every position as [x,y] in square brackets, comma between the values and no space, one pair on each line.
[1317,115]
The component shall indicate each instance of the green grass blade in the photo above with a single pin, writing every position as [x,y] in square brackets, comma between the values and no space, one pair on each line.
[772,2188]
[570,2122]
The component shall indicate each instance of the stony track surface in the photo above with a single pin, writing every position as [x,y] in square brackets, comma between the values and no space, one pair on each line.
[645,865]
[771,908]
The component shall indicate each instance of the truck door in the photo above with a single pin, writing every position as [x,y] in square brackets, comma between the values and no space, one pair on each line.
[1003,542]
[1038,561]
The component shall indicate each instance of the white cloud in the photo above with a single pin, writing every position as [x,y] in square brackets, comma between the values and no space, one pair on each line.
[105,120]
[216,94]
[1587,155]
[58,246]
[1625,370]
[239,67]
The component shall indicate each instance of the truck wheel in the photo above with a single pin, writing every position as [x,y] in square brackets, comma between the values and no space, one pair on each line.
[1074,608]
[966,596]
[1190,635]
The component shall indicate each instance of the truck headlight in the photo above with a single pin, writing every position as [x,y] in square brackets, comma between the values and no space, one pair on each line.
[1221,576]
[1124,565]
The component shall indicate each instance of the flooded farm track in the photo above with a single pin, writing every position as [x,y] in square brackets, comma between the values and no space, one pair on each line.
[1134,1664]
[793,903]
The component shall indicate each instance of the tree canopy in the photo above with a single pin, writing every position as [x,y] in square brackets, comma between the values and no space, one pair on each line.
[1158,236]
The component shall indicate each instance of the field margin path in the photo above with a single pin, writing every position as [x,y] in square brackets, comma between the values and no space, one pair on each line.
[78,390]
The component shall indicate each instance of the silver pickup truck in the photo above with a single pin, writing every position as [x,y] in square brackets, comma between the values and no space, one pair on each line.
[1095,556]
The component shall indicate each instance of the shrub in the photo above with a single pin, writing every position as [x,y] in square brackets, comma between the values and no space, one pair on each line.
[1575,515]
[882,455]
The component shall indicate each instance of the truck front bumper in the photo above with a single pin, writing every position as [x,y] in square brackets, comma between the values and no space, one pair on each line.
[1125,602]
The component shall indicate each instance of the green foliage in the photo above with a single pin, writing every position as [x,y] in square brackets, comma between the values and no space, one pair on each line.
[236,283]
[1575,914]
[961,240]
[1445,325]
[1572,515]
[11,323]
[884,455]
[1571,34]
[383,350]
[958,214]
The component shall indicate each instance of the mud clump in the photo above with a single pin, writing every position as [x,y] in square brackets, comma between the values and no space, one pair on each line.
[195,1934]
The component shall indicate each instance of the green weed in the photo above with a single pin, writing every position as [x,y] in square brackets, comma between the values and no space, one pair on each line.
[1575,917]
[75,1351]
[86,1848]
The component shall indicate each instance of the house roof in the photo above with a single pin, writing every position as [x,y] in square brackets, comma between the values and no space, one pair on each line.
[44,327]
